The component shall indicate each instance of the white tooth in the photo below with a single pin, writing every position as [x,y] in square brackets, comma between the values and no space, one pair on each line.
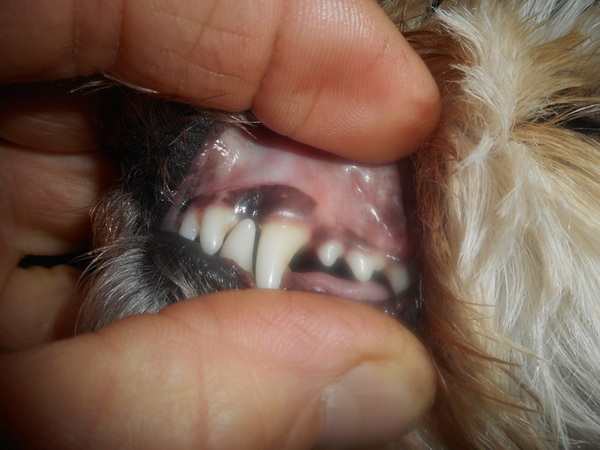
[217,221]
[329,252]
[398,276]
[363,266]
[277,246]
[239,245]
[189,225]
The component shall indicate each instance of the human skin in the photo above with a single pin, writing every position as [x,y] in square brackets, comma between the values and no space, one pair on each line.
[253,369]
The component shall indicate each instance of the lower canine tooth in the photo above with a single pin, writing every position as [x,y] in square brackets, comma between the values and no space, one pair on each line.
[277,246]
[217,221]
[239,245]
[398,276]
[363,266]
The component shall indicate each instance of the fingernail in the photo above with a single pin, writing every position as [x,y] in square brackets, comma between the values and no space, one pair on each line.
[373,404]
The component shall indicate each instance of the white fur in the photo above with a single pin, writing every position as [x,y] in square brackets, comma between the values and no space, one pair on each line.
[522,205]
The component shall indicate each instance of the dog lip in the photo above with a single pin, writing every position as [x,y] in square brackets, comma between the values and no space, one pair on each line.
[322,282]
[264,244]
[365,199]
[283,185]
[376,293]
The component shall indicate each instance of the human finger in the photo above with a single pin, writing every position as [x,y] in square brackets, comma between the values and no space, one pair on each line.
[51,174]
[335,74]
[244,369]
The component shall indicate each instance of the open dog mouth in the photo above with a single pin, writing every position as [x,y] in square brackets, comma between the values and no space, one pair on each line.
[288,216]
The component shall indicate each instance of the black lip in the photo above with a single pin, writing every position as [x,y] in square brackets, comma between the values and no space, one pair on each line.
[186,260]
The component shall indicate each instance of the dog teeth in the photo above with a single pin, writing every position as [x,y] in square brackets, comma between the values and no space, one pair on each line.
[239,245]
[329,252]
[363,266]
[189,225]
[217,221]
[220,231]
[398,277]
[277,246]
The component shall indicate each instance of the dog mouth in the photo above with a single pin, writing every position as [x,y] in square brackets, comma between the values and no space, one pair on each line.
[288,216]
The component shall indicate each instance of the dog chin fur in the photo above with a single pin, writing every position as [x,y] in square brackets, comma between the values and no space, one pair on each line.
[508,191]
[509,195]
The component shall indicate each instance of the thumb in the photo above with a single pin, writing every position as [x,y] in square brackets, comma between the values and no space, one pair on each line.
[245,369]
[336,75]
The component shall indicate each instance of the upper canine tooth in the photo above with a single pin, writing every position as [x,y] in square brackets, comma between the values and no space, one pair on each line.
[239,245]
[363,266]
[398,276]
[277,246]
[329,252]
[189,225]
[217,221]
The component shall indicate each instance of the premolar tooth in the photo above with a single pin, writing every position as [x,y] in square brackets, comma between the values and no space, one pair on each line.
[239,245]
[363,266]
[398,276]
[217,221]
[329,252]
[189,225]
[277,246]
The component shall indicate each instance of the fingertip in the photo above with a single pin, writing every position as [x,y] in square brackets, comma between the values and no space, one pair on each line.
[368,95]
[373,378]
[373,404]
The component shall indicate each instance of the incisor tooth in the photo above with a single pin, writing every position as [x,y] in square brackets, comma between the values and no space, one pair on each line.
[329,252]
[398,276]
[217,221]
[277,246]
[363,266]
[189,225]
[239,245]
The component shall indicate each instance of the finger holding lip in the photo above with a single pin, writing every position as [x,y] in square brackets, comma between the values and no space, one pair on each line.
[336,75]
[252,369]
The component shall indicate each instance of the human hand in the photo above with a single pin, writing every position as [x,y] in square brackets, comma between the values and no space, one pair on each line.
[247,369]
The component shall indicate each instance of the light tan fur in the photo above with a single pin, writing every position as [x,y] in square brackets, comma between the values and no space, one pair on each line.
[509,195]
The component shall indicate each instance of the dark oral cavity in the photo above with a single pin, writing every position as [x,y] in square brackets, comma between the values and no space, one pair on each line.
[294,217]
